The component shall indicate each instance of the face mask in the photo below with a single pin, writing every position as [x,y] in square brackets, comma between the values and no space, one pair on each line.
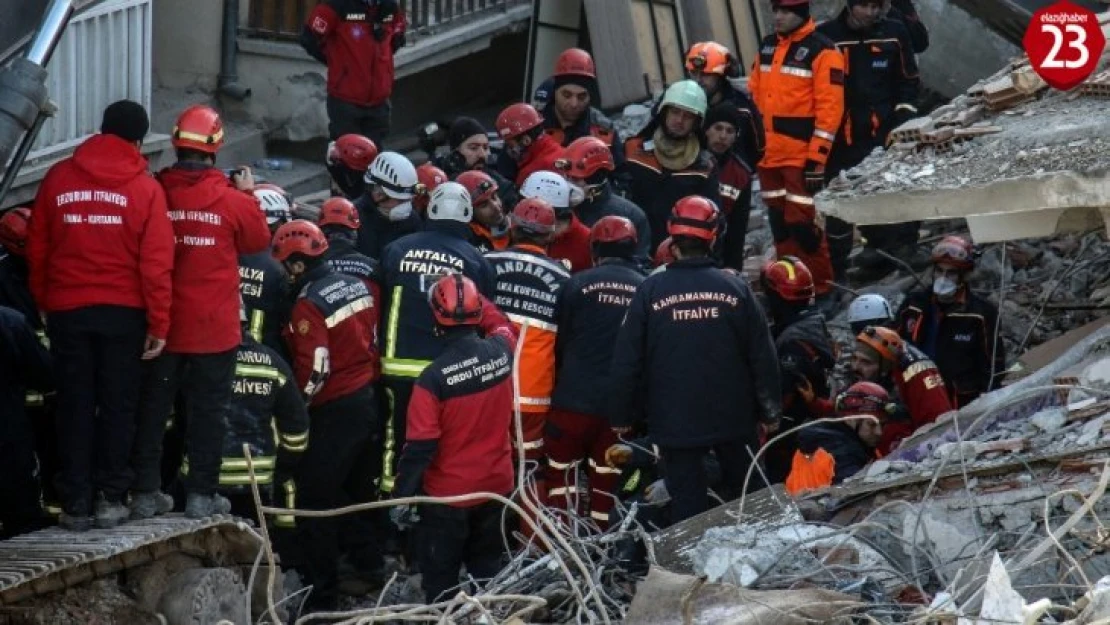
[400,212]
[944,286]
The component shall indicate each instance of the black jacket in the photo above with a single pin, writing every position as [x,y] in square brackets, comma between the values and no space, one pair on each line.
[655,189]
[697,344]
[268,298]
[593,124]
[751,139]
[24,364]
[609,203]
[344,258]
[377,231]
[842,443]
[806,352]
[904,12]
[959,338]
[14,290]
[591,307]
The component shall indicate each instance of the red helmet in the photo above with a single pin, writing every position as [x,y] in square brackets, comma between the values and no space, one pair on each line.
[664,255]
[708,57]
[199,128]
[789,278]
[955,251]
[455,301]
[429,177]
[299,237]
[613,229]
[353,152]
[534,216]
[694,216]
[516,120]
[480,185]
[339,211]
[864,398]
[13,230]
[884,341]
[575,62]
[584,157]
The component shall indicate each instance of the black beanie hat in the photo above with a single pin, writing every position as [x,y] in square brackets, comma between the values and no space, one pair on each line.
[462,129]
[723,112]
[125,119]
[801,10]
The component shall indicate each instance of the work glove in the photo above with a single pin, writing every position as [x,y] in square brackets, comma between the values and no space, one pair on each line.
[815,176]
[404,516]
[656,493]
[618,455]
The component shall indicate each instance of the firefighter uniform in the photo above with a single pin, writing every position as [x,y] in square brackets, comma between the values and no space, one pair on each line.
[655,189]
[593,123]
[694,350]
[829,454]
[798,86]
[377,231]
[345,259]
[604,203]
[528,285]
[410,267]
[920,387]
[591,307]
[489,239]
[264,286]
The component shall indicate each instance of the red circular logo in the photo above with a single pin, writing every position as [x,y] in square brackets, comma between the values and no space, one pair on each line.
[1064,43]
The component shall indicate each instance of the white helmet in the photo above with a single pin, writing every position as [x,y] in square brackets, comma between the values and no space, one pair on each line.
[870,308]
[394,173]
[275,205]
[550,186]
[450,202]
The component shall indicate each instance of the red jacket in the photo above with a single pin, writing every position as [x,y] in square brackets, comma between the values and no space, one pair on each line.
[922,390]
[99,234]
[360,67]
[214,223]
[573,246]
[540,156]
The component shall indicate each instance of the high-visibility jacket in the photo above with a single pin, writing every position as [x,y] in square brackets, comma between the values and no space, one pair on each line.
[798,86]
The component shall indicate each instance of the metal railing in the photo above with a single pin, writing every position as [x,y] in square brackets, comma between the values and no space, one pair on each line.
[104,56]
[283,19]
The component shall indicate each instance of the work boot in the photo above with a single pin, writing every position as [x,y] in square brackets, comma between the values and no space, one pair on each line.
[198,506]
[110,513]
[149,505]
[74,523]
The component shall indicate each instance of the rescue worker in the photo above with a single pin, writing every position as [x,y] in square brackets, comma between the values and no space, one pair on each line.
[410,267]
[490,225]
[723,123]
[428,177]
[570,113]
[869,309]
[693,352]
[665,161]
[798,85]
[215,221]
[15,292]
[904,12]
[591,306]
[882,357]
[806,351]
[572,237]
[336,364]
[385,210]
[829,453]
[263,283]
[956,328]
[339,222]
[469,143]
[714,67]
[527,290]
[347,160]
[458,440]
[356,39]
[527,148]
[589,165]
[880,92]
[24,365]
[267,414]
[100,250]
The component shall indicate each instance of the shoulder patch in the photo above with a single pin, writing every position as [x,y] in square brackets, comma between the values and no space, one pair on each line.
[801,53]
[836,76]
[319,25]
[303,326]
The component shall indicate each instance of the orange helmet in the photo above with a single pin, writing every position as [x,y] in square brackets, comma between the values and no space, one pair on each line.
[575,62]
[884,341]
[455,301]
[534,216]
[955,251]
[584,157]
[613,229]
[353,152]
[480,185]
[664,255]
[708,57]
[339,211]
[694,216]
[199,128]
[13,230]
[864,398]
[517,119]
[789,278]
[299,237]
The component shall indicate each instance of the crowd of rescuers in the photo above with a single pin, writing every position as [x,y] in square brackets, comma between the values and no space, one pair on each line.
[154,326]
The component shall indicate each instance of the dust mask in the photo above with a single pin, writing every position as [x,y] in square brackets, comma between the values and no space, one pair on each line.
[400,212]
[944,286]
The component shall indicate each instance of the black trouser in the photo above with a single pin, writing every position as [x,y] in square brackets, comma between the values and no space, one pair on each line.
[339,468]
[733,254]
[205,381]
[97,364]
[45,430]
[371,122]
[448,537]
[840,235]
[688,483]
[21,511]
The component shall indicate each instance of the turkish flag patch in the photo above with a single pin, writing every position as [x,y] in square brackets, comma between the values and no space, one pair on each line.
[320,25]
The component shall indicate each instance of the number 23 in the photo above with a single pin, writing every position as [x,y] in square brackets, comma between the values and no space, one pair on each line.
[1078,43]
